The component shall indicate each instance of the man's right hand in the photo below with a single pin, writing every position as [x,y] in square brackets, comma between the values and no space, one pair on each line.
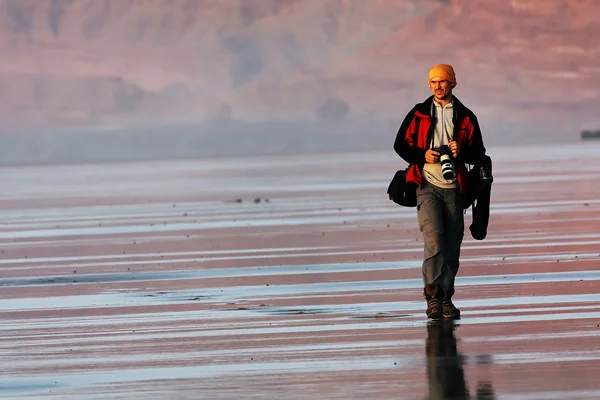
[432,156]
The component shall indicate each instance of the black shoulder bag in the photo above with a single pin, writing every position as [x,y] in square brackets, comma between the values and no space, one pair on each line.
[402,192]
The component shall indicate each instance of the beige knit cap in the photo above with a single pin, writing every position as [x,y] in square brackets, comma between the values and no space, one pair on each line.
[442,71]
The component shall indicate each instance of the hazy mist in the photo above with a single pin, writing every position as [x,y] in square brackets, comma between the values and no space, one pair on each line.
[102,80]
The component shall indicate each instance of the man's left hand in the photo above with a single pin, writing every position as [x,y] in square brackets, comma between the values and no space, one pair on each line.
[454,147]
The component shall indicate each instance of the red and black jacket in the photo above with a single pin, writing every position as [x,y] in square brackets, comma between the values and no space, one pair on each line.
[416,133]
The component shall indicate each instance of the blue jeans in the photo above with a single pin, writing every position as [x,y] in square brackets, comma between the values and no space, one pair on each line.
[440,216]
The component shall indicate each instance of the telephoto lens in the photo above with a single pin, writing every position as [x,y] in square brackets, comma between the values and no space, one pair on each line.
[447,167]
[446,161]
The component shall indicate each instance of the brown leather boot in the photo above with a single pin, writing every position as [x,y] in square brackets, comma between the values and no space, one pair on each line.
[448,308]
[434,296]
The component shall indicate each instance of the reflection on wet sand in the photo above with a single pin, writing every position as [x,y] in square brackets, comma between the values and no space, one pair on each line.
[445,372]
[148,281]
[445,366]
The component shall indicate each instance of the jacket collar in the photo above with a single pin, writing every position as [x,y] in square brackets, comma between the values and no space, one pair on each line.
[424,109]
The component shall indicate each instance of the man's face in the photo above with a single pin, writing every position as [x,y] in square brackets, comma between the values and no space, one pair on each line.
[441,88]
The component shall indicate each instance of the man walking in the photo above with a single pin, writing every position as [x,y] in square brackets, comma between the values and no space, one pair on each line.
[439,127]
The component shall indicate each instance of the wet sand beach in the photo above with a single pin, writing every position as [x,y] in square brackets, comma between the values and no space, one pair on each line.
[293,277]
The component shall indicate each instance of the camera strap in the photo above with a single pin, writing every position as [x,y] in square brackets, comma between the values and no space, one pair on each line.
[433,115]
[454,119]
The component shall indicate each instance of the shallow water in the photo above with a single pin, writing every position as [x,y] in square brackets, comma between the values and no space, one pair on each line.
[293,277]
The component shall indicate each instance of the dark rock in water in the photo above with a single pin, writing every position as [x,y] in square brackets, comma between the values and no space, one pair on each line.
[587,134]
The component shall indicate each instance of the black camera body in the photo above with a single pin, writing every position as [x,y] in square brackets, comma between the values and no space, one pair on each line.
[443,149]
[446,160]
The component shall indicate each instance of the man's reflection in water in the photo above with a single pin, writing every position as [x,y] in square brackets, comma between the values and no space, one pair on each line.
[445,372]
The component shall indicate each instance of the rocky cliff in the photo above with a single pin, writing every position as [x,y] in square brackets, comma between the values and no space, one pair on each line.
[525,67]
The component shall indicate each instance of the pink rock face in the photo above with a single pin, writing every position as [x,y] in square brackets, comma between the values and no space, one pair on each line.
[292,276]
[124,61]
